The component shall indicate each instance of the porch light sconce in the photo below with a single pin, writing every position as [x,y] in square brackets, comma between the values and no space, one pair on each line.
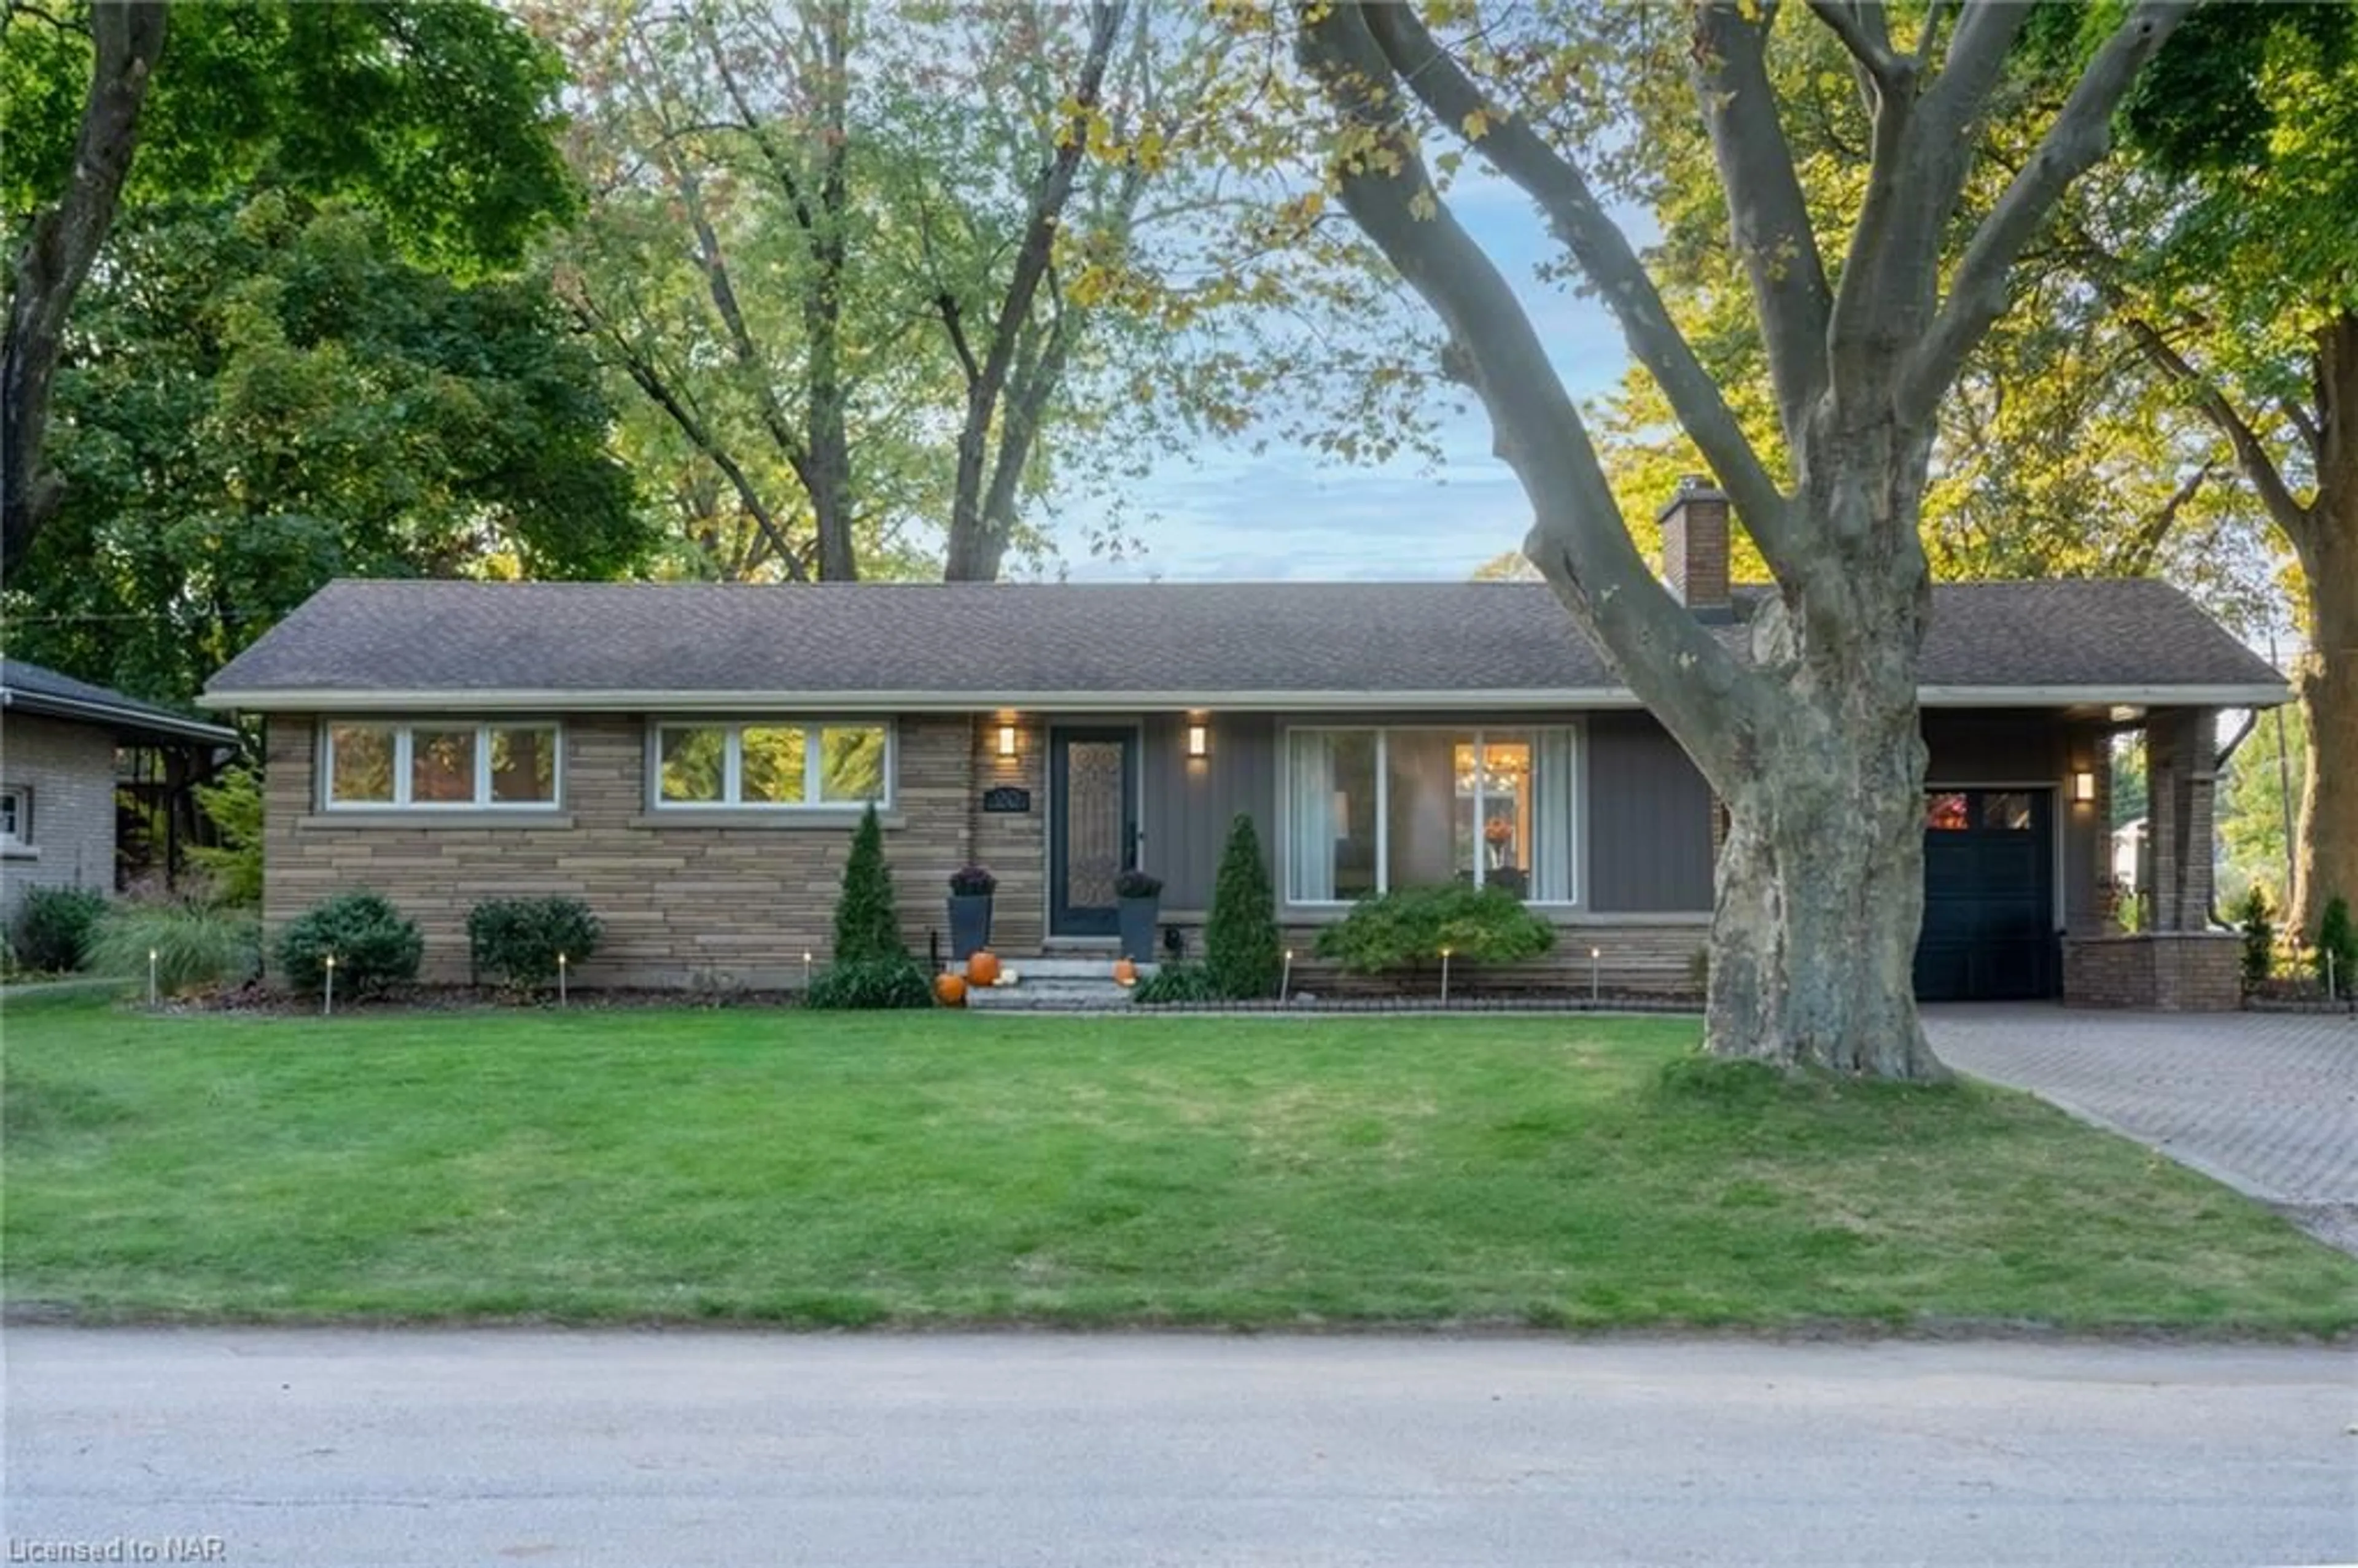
[1200,740]
[2083,786]
[1007,739]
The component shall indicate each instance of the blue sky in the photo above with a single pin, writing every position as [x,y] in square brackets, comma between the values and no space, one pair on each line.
[1223,512]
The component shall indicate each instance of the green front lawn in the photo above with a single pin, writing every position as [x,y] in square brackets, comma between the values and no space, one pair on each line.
[939,1168]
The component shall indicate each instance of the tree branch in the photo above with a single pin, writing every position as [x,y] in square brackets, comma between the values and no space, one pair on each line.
[659,390]
[973,554]
[1578,540]
[1405,51]
[2251,454]
[2137,559]
[57,258]
[1768,219]
[2078,136]
[1864,31]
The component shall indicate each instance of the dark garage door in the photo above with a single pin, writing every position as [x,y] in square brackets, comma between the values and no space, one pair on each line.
[1989,896]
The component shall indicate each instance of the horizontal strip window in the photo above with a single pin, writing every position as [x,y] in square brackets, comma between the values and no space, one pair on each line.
[439,766]
[773,765]
[1368,811]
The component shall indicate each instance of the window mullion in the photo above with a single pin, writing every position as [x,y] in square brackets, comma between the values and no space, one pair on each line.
[733,765]
[483,765]
[1383,812]
[401,755]
[1476,848]
[813,737]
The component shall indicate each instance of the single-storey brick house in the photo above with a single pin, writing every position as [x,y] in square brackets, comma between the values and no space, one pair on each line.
[59,740]
[688,759]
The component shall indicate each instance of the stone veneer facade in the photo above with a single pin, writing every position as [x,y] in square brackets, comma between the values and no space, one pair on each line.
[724,899]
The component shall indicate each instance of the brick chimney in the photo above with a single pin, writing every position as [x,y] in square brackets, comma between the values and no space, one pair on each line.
[1694,548]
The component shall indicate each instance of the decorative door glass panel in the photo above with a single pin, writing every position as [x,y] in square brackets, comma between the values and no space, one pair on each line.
[1093,828]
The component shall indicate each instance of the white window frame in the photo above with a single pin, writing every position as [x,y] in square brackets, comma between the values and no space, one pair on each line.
[733,765]
[17,833]
[1576,739]
[403,755]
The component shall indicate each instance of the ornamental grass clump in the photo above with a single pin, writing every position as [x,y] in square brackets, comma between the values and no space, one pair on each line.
[194,946]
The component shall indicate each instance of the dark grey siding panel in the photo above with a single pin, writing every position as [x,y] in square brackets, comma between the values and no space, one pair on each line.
[1189,804]
[1977,748]
[1648,820]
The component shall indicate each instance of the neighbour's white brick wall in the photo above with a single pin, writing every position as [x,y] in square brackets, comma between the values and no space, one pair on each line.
[66,772]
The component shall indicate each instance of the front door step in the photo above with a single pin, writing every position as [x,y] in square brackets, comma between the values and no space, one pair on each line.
[1054,985]
[1059,968]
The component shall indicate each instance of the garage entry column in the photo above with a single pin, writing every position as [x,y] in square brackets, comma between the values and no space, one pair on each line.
[2176,962]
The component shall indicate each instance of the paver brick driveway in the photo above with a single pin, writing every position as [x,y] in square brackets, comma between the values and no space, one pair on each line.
[2265,1102]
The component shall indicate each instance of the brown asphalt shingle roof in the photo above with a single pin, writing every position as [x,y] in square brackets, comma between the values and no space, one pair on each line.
[997,641]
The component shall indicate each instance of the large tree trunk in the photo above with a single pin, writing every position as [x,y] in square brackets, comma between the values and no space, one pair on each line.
[57,257]
[1821,895]
[2326,862]
[1821,881]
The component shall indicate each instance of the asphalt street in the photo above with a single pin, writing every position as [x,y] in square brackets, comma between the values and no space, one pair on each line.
[256,1447]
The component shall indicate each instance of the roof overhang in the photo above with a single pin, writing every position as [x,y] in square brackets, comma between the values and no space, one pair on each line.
[543,700]
[134,723]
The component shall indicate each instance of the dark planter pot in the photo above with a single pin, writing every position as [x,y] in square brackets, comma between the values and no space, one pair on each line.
[1138,926]
[970,925]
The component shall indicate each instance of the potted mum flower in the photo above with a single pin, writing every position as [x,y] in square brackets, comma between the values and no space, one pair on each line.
[1138,898]
[970,890]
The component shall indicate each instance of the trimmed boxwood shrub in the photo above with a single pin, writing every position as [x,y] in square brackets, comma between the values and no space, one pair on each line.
[1410,927]
[870,983]
[53,928]
[1241,949]
[516,940]
[374,946]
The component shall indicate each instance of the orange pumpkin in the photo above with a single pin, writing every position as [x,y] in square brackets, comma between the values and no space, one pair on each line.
[950,990]
[982,969]
[1125,973]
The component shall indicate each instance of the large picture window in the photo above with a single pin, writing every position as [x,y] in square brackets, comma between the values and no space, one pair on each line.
[772,763]
[378,765]
[1369,810]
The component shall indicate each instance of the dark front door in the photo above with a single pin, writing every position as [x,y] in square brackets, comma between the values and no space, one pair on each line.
[1092,827]
[1989,896]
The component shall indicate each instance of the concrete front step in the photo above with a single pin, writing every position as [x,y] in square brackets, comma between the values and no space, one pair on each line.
[1049,996]
[1059,969]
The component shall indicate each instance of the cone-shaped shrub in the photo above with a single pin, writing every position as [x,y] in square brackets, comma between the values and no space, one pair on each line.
[1240,944]
[866,928]
[2337,950]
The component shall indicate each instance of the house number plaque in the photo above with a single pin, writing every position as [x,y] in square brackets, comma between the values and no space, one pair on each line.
[1007,797]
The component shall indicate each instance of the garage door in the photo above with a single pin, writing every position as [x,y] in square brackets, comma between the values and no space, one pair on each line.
[1989,896]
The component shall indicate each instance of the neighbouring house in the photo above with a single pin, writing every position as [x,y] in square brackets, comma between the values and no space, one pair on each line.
[688,758]
[2128,855]
[66,749]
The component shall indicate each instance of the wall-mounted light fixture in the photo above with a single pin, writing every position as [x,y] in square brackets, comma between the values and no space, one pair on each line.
[2083,786]
[1199,739]
[1007,739]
